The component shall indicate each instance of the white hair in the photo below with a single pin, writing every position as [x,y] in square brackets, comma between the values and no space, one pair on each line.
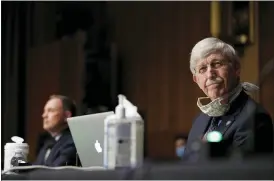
[211,45]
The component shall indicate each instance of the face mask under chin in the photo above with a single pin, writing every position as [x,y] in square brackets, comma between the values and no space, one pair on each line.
[215,108]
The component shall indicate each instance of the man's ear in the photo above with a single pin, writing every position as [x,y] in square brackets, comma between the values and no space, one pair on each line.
[238,72]
[67,114]
[238,69]
[194,78]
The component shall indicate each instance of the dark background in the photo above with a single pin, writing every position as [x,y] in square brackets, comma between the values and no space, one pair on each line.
[92,51]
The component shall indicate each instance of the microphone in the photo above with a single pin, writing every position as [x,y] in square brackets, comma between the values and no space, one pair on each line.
[216,145]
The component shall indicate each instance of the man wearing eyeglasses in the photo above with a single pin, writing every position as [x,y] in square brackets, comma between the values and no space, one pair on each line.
[227,108]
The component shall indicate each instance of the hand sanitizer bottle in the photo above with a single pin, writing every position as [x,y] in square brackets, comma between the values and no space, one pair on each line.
[114,139]
[137,141]
[123,139]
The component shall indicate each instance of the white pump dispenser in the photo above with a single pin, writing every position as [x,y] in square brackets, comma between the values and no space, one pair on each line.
[120,109]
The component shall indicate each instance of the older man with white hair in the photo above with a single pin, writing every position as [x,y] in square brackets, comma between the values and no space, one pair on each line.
[243,123]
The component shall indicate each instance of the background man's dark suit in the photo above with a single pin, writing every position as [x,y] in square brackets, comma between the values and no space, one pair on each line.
[63,151]
[246,126]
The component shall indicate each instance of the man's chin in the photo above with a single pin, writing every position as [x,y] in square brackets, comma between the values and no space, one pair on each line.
[214,96]
[47,128]
[54,129]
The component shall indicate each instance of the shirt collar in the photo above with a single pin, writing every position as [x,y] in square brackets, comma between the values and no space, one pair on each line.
[57,137]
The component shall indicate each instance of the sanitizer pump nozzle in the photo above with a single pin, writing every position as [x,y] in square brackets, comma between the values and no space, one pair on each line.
[120,110]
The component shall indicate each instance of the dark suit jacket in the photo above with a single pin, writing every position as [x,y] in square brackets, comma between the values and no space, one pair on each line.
[246,126]
[62,153]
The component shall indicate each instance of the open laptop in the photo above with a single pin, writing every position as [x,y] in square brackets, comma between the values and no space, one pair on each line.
[88,134]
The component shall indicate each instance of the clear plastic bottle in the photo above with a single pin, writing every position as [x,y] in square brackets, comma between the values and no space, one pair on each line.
[123,139]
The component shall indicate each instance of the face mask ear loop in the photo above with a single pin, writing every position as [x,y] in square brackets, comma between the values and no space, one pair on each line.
[199,104]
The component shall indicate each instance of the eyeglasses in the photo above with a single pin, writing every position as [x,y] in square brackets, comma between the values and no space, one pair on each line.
[215,64]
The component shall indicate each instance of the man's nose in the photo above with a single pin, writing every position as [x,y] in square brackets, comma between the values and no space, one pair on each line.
[210,73]
[44,115]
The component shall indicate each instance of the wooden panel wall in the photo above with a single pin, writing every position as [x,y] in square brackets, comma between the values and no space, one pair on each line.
[266,50]
[54,68]
[155,40]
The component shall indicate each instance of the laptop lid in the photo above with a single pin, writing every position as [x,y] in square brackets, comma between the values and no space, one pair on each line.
[88,135]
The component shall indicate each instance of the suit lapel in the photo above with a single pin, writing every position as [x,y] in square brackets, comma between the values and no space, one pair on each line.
[55,149]
[227,121]
[204,122]
[41,156]
[229,118]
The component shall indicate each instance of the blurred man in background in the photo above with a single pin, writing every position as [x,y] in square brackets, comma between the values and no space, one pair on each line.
[56,146]
[180,144]
[244,124]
